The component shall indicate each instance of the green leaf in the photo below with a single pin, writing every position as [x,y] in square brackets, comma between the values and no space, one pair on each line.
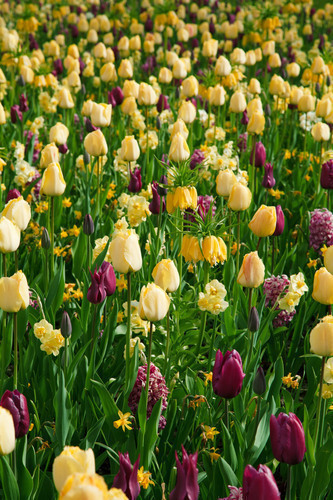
[227,473]
[151,433]
[62,412]
[8,481]
[54,298]
[310,456]
[109,406]
[92,435]
[79,252]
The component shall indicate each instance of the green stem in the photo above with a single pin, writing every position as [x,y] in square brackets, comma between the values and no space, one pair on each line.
[226,406]
[288,495]
[147,148]
[320,157]
[180,266]
[98,187]
[212,344]
[319,404]
[204,313]
[52,235]
[93,335]
[256,423]
[273,252]
[128,332]
[15,351]
[147,385]
[66,359]
[167,346]
[229,239]
[238,242]
[251,334]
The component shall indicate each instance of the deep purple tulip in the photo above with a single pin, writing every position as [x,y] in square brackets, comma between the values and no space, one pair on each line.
[259,484]
[96,292]
[58,66]
[16,113]
[63,148]
[12,194]
[111,99]
[33,45]
[245,118]
[206,204]
[16,403]
[89,126]
[187,487]
[196,158]
[326,176]
[228,374]
[88,225]
[23,103]
[161,190]
[118,95]
[149,25]
[287,438]
[260,155]
[127,477]
[155,204]
[279,221]
[268,180]
[162,103]
[75,31]
[109,278]
[135,184]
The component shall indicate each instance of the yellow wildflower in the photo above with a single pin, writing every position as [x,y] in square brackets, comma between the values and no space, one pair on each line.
[123,421]
[214,455]
[120,317]
[75,231]
[144,478]
[66,203]
[121,283]
[209,377]
[209,432]
[290,381]
[312,263]
[63,234]
[78,214]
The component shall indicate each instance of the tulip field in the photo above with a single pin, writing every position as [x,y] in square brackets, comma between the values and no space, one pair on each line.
[166,272]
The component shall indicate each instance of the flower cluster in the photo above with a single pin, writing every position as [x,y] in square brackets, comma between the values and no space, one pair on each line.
[213,298]
[51,340]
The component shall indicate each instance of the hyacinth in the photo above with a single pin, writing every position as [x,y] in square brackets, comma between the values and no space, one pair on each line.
[321,228]
[196,158]
[273,289]
[157,390]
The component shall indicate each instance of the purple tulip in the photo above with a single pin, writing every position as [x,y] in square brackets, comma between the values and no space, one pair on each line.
[135,183]
[63,148]
[196,158]
[228,374]
[96,292]
[268,180]
[16,403]
[12,194]
[109,278]
[33,45]
[187,487]
[16,113]
[58,66]
[279,221]
[162,103]
[326,176]
[149,24]
[287,438]
[111,99]
[118,95]
[259,484]
[23,103]
[127,477]
[245,118]
[155,204]
[89,126]
[163,181]
[259,155]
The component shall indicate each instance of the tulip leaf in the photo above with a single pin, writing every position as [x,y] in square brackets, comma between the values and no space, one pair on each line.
[8,481]
[92,435]
[151,433]
[308,439]
[227,473]
[79,252]
[54,298]
[62,409]
[109,406]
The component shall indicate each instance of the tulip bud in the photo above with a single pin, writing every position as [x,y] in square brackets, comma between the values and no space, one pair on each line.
[228,374]
[12,194]
[287,438]
[95,143]
[125,252]
[45,240]
[7,432]
[323,287]
[259,484]
[16,403]
[86,158]
[240,197]
[135,183]
[268,180]
[162,103]
[253,322]
[10,235]
[127,477]
[154,303]
[258,155]
[237,102]
[259,382]
[66,325]
[279,221]
[224,182]
[166,275]
[53,182]
[161,190]
[263,222]
[88,225]
[155,204]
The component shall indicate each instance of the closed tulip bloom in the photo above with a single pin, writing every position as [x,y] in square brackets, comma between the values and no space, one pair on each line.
[252,271]
[323,287]
[147,95]
[131,88]
[179,126]
[71,460]
[254,86]
[81,486]
[18,211]
[101,114]
[295,95]
[328,259]
[165,75]
[12,194]
[287,438]
[274,60]
[293,69]
[228,374]
[187,112]
[187,487]
[323,108]
[306,103]
[214,250]
[224,182]
[276,85]
[318,65]
[320,132]
[53,182]
[268,181]
[16,403]
[222,67]
[50,154]
[95,143]
[321,337]
[259,155]
[166,275]
[259,484]
[179,70]
[190,86]
[7,432]
[256,124]
[125,69]
[58,134]
[240,197]
[127,477]
[268,48]
[237,102]
[14,292]
[2,115]
[263,222]
[135,184]
[209,48]
[154,303]
[10,235]
[65,99]
[108,73]
[125,252]
[250,58]
[254,106]
[217,96]
[179,150]
[130,150]
[129,105]
[279,221]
